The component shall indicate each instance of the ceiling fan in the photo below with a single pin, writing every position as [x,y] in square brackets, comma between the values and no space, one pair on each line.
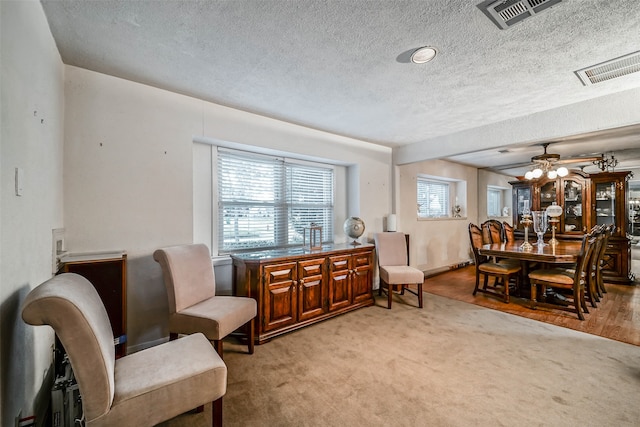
[545,164]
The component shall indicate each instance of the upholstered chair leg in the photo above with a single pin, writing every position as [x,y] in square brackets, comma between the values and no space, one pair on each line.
[173,336]
[216,413]
[251,334]
[420,295]
[217,344]
[389,295]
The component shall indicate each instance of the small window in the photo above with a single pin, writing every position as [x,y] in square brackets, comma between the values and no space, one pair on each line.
[494,202]
[433,198]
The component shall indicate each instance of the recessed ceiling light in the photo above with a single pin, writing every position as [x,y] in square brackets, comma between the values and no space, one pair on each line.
[422,55]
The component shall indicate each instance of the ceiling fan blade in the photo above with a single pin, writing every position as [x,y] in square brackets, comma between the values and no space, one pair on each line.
[578,160]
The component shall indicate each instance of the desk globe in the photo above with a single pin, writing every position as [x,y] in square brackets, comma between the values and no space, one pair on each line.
[354,228]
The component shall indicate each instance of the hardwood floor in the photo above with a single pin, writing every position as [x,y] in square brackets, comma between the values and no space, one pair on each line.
[617,316]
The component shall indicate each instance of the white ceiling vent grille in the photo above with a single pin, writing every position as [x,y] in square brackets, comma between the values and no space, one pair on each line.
[505,13]
[611,69]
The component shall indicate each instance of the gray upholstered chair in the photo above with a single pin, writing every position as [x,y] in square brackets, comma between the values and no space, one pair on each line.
[393,264]
[141,389]
[193,303]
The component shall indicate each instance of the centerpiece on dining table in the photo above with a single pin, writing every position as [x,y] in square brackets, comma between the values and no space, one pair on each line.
[526,222]
[540,226]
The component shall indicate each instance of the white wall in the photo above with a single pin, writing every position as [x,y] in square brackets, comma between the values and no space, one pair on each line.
[30,138]
[129,176]
[436,243]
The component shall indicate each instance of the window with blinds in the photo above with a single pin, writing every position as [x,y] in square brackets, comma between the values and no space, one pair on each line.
[266,202]
[433,198]
[494,201]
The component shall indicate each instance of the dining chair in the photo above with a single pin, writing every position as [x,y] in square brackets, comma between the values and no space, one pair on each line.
[502,272]
[608,231]
[509,232]
[393,265]
[575,281]
[140,389]
[193,303]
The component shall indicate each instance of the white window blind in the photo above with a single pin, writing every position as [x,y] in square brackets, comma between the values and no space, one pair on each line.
[494,202]
[433,198]
[266,202]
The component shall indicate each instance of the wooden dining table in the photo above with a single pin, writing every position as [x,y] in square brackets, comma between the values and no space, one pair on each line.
[563,252]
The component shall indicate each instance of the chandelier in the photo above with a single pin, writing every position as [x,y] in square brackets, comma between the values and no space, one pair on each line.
[606,163]
[546,168]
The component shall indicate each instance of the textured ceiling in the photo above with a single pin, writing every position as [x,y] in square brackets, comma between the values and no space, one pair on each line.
[341,66]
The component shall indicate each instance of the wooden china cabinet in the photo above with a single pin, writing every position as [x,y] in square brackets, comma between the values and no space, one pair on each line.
[586,200]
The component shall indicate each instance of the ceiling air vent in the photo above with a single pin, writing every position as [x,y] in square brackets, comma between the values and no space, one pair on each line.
[505,13]
[611,69]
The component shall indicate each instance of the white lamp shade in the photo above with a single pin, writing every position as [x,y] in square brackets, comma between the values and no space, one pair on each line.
[391,222]
[562,171]
[552,174]
[537,173]
[528,175]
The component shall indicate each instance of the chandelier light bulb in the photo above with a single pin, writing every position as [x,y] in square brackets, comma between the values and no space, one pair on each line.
[528,175]
[552,174]
[537,173]
[562,171]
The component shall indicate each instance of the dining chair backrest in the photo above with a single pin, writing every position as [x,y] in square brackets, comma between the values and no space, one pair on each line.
[583,260]
[477,240]
[509,232]
[495,232]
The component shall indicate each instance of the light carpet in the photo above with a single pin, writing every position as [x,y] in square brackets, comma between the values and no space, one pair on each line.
[449,364]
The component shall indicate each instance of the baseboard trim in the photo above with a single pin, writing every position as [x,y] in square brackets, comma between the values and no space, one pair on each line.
[444,269]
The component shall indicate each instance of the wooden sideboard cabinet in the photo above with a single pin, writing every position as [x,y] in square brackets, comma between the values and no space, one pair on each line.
[297,287]
[107,272]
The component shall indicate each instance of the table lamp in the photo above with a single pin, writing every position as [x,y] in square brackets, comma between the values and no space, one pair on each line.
[554,211]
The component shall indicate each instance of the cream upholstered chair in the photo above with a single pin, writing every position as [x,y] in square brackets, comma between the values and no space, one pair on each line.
[393,264]
[193,303]
[141,389]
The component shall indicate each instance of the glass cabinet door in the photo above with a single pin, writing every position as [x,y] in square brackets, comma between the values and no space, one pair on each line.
[605,203]
[523,201]
[547,195]
[573,222]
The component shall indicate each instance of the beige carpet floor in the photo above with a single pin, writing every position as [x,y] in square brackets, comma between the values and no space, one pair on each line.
[449,364]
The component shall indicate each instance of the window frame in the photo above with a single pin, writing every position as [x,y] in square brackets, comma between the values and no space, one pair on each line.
[281,216]
[445,211]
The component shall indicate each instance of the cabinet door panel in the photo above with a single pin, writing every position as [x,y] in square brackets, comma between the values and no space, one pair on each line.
[280,303]
[361,278]
[310,289]
[339,282]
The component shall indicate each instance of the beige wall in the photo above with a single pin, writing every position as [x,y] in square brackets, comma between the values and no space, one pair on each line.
[436,243]
[31,96]
[129,151]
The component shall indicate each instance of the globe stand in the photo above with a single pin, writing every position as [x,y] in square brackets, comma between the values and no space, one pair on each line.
[355,243]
